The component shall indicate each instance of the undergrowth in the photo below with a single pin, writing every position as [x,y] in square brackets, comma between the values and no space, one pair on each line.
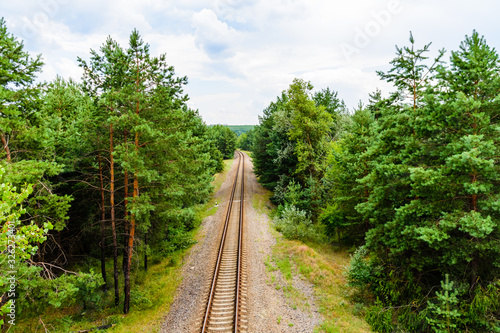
[152,291]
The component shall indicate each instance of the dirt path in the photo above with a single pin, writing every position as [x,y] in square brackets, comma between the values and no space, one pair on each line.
[269,310]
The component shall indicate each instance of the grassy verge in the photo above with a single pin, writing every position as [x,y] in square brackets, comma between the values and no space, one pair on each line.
[151,296]
[210,207]
[260,202]
[323,266]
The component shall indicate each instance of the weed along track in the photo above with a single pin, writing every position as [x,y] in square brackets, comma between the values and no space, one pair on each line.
[226,305]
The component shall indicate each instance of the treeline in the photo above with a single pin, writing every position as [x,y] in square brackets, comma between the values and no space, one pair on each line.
[240,129]
[110,168]
[412,180]
[225,140]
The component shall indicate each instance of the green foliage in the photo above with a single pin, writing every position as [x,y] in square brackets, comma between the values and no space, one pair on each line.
[415,177]
[380,318]
[177,239]
[245,140]
[31,139]
[336,107]
[272,152]
[330,101]
[225,140]
[359,273]
[64,290]
[349,161]
[309,126]
[140,300]
[33,291]
[240,129]
[443,313]
[17,93]
[17,241]
[290,145]
[56,137]
[295,224]
[160,148]
[483,311]
[410,73]
[172,150]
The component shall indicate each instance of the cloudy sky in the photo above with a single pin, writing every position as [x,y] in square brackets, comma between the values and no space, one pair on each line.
[240,54]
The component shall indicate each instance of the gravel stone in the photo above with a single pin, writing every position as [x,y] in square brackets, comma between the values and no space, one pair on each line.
[266,304]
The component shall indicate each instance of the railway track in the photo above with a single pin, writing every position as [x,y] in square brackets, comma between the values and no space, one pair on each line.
[226,301]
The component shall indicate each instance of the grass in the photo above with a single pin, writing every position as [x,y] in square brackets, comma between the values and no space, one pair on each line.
[151,296]
[260,202]
[210,207]
[283,264]
[323,266]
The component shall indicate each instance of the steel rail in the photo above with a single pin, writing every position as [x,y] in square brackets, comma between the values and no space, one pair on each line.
[221,250]
[238,274]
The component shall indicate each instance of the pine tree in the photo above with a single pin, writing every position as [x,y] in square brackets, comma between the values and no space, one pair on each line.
[433,183]
[155,140]
[37,127]
[457,185]
[104,81]
[273,151]
[349,161]
[17,92]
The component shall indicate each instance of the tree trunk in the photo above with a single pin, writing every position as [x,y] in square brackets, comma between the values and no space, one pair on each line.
[125,220]
[126,303]
[146,252]
[125,226]
[103,227]
[113,222]
[5,144]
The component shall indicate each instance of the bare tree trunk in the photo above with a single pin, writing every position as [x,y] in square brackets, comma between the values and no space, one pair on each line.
[125,226]
[113,222]
[125,221]
[5,144]
[126,302]
[103,227]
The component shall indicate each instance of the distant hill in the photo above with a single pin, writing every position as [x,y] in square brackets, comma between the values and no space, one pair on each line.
[240,129]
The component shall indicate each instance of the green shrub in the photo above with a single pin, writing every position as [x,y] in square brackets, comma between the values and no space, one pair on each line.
[380,318]
[295,224]
[359,272]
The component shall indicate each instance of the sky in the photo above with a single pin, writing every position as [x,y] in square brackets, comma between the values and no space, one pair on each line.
[239,55]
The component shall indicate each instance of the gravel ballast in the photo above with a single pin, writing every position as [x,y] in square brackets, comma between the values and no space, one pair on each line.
[268,308]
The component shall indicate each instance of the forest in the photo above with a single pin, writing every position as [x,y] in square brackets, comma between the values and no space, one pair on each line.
[106,172]
[411,181]
[101,178]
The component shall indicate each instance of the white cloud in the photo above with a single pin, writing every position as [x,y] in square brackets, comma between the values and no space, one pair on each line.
[239,55]
[213,36]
